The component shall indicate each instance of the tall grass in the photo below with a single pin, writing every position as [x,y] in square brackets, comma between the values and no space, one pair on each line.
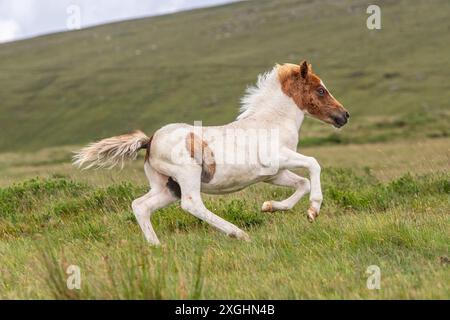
[138,273]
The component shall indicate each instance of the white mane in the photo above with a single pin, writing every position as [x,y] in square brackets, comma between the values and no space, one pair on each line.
[256,97]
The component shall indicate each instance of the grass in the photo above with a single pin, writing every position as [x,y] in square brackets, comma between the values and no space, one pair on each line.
[401,226]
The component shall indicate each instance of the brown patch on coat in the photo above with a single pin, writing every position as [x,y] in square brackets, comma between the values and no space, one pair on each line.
[301,84]
[147,147]
[203,155]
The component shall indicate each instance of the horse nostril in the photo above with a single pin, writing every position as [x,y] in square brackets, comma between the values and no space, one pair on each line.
[347,115]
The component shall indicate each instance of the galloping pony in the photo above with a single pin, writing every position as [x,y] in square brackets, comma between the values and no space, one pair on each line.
[182,161]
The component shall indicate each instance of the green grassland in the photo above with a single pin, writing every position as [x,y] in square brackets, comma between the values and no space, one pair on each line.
[385,176]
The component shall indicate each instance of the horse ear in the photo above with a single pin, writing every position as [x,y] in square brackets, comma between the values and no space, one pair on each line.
[304,69]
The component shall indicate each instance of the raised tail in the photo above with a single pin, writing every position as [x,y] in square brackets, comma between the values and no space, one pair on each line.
[111,151]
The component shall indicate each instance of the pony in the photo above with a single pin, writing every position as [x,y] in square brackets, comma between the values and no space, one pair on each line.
[182,161]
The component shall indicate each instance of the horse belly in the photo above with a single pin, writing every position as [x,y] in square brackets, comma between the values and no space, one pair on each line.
[228,180]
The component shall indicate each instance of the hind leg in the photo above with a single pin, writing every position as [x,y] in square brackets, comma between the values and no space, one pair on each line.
[158,197]
[145,206]
[191,202]
[157,181]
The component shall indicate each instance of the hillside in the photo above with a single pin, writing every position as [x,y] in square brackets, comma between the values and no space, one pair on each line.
[73,87]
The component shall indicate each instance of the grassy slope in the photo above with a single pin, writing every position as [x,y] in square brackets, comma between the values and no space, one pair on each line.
[73,87]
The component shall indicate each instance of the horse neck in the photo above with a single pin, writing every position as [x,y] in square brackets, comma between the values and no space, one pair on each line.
[276,109]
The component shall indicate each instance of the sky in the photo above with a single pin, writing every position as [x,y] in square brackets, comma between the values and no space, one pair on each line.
[20,19]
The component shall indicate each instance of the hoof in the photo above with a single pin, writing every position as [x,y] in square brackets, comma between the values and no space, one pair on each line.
[312,214]
[241,235]
[267,206]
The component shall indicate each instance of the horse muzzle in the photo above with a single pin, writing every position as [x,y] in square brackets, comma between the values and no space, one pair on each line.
[340,119]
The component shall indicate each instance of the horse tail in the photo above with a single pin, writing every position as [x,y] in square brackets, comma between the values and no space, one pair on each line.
[111,151]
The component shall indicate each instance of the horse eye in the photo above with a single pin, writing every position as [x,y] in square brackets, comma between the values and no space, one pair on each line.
[321,91]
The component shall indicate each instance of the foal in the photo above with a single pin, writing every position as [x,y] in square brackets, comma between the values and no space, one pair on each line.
[182,160]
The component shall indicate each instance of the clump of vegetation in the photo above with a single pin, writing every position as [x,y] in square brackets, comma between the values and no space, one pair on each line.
[371,195]
[241,212]
[23,196]
[141,273]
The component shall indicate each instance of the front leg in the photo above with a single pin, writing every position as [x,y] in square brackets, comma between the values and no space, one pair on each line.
[287,178]
[290,160]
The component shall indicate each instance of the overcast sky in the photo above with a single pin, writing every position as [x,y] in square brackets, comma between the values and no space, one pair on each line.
[27,18]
